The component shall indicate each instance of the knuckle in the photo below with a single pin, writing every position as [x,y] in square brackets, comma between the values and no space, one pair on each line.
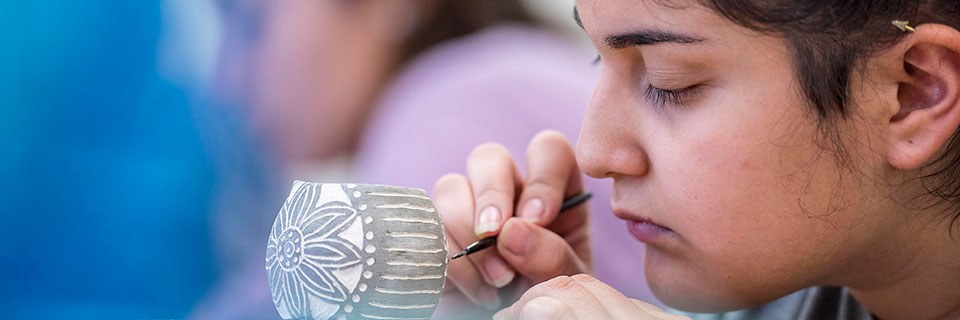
[549,136]
[489,149]
[560,260]
[448,194]
[584,278]
[561,283]
[449,181]
[491,195]
[555,255]
[542,184]
[552,140]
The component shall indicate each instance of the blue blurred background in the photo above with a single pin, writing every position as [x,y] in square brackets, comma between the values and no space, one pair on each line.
[108,168]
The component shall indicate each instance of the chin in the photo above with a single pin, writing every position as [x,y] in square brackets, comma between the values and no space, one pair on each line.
[700,301]
[689,289]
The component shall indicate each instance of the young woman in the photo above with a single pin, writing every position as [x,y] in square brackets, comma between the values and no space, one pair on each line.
[797,158]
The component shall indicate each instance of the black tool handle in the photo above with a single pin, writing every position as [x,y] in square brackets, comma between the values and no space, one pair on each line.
[492,240]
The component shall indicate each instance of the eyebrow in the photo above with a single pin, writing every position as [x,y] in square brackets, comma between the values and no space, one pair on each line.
[642,37]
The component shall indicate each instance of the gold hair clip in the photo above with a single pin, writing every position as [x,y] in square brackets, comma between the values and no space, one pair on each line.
[903,25]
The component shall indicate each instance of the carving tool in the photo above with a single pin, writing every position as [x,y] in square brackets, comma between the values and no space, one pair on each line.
[492,240]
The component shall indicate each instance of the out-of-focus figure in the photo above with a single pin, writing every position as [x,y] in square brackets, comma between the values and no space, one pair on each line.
[398,92]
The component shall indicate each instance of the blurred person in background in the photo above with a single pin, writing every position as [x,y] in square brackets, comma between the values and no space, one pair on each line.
[397,92]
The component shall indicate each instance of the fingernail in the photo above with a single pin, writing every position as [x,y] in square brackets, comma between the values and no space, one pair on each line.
[498,271]
[518,239]
[489,297]
[532,210]
[489,220]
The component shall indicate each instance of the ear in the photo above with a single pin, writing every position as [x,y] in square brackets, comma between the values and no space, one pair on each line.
[928,96]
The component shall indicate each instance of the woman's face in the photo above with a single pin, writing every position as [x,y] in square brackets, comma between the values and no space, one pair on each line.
[309,70]
[728,159]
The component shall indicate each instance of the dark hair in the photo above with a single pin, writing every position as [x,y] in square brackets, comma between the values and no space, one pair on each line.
[456,18]
[829,39]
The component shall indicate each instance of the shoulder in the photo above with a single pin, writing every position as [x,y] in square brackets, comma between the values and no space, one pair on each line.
[815,303]
[502,84]
[507,64]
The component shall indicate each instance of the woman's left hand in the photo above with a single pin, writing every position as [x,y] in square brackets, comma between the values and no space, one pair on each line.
[579,297]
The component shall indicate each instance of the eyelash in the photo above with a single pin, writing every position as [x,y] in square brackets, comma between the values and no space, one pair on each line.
[663,97]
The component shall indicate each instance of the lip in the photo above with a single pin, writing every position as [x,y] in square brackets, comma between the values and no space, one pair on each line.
[648,232]
[642,228]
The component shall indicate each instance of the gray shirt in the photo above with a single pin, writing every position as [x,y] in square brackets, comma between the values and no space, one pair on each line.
[816,303]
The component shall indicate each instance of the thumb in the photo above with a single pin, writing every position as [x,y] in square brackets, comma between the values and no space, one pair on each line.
[536,252]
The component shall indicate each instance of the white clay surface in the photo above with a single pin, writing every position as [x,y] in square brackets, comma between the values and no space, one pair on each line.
[354,251]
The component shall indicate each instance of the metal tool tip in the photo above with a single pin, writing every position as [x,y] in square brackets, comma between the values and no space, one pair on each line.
[459,254]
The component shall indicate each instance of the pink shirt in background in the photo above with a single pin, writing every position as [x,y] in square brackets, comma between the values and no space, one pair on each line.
[504,84]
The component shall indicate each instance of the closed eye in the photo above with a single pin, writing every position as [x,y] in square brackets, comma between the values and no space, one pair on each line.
[676,97]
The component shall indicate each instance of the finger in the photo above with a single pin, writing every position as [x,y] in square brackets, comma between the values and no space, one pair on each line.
[537,252]
[552,175]
[466,277]
[494,179]
[546,308]
[454,202]
[458,221]
[571,293]
[617,304]
[586,297]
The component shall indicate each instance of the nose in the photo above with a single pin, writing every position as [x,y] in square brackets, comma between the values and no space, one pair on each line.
[610,143]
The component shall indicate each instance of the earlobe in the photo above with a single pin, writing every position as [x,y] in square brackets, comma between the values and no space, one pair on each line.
[929,99]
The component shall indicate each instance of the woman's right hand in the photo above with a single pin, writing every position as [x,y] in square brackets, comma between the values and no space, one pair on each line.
[535,244]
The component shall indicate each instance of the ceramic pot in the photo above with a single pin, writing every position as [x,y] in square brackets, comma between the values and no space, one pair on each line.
[356,251]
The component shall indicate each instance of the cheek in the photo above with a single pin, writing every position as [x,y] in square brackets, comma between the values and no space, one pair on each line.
[298,95]
[737,205]
[287,70]
[755,203]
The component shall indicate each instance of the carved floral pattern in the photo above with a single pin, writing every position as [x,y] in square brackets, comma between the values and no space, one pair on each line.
[304,250]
